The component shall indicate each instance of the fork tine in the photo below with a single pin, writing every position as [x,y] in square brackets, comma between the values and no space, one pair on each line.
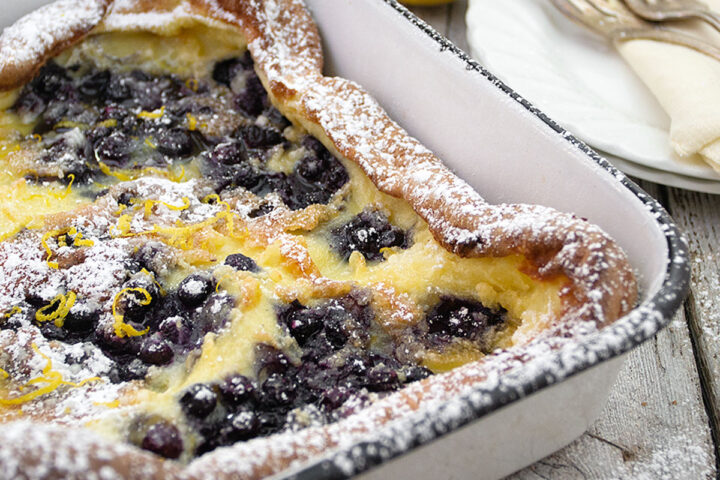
[603,7]
[581,12]
[623,25]
[568,7]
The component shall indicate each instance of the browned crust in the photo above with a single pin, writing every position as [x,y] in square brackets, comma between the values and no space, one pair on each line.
[289,61]
[55,452]
[58,34]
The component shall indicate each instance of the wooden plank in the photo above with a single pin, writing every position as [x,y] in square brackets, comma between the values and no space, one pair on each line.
[456,30]
[654,425]
[698,214]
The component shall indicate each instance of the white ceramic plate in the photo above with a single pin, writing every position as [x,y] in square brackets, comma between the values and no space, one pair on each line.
[580,81]
[663,177]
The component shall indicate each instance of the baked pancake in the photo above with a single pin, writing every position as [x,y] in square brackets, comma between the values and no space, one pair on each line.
[215,261]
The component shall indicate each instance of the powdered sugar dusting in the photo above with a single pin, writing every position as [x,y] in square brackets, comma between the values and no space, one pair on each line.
[36,35]
[358,128]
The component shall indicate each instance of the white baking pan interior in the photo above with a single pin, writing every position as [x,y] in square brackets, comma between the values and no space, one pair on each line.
[509,155]
[487,137]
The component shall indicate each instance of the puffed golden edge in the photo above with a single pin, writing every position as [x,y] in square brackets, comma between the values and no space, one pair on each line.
[288,59]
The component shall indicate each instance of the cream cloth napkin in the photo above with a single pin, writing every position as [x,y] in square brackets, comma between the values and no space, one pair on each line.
[687,85]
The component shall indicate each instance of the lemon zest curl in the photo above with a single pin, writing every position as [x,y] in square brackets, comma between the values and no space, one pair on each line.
[123,329]
[52,378]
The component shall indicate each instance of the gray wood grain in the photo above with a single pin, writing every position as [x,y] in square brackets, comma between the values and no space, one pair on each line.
[699,215]
[655,423]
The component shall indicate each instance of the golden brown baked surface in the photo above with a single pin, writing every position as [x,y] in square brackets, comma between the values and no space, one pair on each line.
[589,272]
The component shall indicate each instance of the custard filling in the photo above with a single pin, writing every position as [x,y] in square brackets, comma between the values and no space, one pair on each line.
[200,271]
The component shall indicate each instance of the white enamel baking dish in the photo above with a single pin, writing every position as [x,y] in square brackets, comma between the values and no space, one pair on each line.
[509,152]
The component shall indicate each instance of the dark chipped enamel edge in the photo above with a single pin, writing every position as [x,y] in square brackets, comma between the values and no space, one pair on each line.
[641,324]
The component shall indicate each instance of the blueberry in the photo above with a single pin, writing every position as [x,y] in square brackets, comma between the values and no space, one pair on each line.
[241,425]
[163,439]
[194,290]
[156,351]
[270,360]
[118,89]
[230,153]
[134,370]
[93,86]
[357,365]
[240,262]
[82,317]
[213,315]
[152,256]
[246,176]
[462,318]
[174,329]
[279,389]
[368,233]
[300,321]
[318,380]
[106,339]
[199,400]
[271,420]
[30,104]
[211,437]
[315,179]
[133,303]
[140,76]
[52,332]
[114,150]
[255,136]
[236,389]
[55,112]
[15,321]
[276,119]
[316,348]
[35,299]
[253,99]
[382,378]
[174,142]
[311,168]
[333,398]
[313,145]
[225,70]
[125,198]
[50,81]
[335,330]
[148,96]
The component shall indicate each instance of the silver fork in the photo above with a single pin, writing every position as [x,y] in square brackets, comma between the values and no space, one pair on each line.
[661,10]
[613,20]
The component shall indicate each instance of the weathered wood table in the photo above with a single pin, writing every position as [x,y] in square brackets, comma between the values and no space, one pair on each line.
[663,416]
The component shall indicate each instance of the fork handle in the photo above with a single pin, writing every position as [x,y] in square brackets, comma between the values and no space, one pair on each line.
[710,17]
[668,36]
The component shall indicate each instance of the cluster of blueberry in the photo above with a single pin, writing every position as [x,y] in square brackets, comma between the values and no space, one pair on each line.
[337,362]
[454,317]
[104,106]
[369,233]
[177,320]
[340,355]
